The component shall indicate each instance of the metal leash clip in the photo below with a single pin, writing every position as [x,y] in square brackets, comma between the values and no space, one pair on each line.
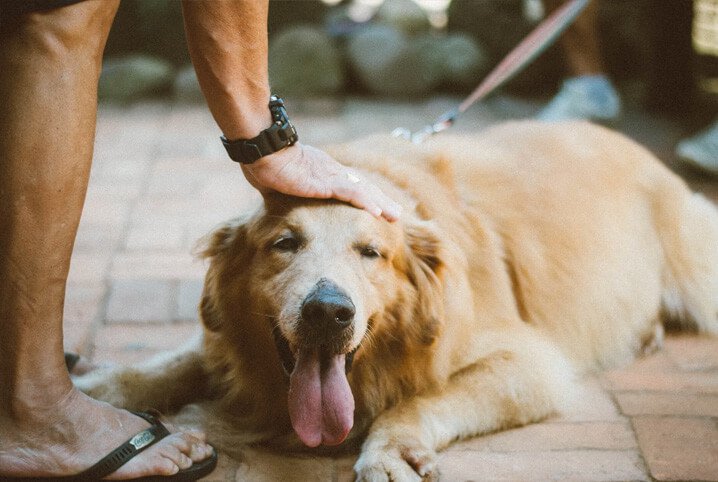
[523,54]
[442,123]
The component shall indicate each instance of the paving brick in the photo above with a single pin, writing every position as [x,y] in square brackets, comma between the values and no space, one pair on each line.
[658,373]
[157,265]
[93,237]
[150,337]
[89,267]
[181,213]
[679,448]
[188,296]
[575,465]
[104,210]
[83,306]
[692,352]
[106,187]
[180,177]
[265,466]
[668,403]
[129,344]
[151,237]
[140,301]
[557,436]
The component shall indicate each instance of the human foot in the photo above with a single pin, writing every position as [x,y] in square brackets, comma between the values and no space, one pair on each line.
[701,150]
[79,431]
[590,97]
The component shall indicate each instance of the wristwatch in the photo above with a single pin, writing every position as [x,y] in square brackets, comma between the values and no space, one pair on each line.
[274,138]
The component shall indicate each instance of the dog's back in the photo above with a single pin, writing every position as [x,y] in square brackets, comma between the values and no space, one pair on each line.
[600,240]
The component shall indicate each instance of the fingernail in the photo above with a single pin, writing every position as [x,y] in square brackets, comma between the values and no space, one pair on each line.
[394,211]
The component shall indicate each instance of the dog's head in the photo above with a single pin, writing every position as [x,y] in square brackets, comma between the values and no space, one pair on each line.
[314,282]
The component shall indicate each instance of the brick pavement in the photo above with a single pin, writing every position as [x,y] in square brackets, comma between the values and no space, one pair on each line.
[160,181]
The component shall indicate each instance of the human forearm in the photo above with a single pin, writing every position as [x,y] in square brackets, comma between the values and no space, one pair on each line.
[227,41]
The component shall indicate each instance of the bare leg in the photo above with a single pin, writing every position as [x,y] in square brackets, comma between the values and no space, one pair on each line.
[580,42]
[50,64]
[587,93]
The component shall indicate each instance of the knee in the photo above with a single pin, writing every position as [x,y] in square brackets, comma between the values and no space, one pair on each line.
[79,29]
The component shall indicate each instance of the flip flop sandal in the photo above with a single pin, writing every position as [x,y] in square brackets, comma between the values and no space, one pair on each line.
[122,454]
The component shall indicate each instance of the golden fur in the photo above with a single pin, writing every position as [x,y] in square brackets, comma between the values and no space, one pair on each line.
[524,255]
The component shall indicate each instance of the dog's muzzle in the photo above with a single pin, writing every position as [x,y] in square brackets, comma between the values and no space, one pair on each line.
[326,319]
[326,313]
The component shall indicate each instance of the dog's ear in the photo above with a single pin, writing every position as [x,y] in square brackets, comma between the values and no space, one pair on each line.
[218,240]
[224,248]
[424,269]
[208,312]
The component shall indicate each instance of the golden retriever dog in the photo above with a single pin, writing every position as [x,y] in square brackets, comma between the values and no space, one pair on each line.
[524,256]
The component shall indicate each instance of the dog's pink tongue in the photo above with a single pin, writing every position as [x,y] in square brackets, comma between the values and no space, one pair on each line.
[321,404]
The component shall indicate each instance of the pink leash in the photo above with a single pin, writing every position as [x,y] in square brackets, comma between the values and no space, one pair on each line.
[522,55]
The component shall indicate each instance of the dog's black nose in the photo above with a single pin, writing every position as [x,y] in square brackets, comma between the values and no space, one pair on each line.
[328,307]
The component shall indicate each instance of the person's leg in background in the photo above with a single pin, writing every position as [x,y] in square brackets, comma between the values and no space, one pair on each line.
[674,87]
[587,93]
[50,64]
[701,150]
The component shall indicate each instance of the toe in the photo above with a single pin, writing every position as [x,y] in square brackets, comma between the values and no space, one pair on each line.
[195,447]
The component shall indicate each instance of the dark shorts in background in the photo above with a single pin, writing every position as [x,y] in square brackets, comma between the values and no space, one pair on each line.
[19,7]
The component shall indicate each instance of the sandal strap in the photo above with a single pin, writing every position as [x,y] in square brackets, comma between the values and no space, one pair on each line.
[122,454]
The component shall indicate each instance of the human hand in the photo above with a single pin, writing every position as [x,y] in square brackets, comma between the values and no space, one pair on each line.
[304,171]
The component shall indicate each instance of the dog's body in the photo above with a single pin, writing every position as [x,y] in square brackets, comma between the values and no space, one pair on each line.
[523,255]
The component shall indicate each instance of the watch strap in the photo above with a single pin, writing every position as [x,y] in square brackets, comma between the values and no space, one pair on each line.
[276,137]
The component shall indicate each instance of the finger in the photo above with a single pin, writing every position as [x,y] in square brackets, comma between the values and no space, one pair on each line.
[359,193]
[368,196]
[390,209]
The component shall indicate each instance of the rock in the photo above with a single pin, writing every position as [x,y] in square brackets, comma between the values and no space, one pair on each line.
[457,59]
[388,64]
[186,87]
[500,27]
[304,61]
[162,26]
[151,27]
[625,33]
[403,15]
[285,14]
[124,79]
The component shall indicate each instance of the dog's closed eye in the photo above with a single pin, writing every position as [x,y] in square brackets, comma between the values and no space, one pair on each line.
[286,243]
[369,251]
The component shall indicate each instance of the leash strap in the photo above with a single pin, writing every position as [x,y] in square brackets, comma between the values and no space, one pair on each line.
[522,55]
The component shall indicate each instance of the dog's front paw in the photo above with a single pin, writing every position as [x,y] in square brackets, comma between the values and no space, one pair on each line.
[396,461]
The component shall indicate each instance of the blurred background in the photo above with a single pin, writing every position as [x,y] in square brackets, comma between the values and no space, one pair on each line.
[661,55]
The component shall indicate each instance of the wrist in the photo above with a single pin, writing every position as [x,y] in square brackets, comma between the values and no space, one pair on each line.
[247,120]
[279,135]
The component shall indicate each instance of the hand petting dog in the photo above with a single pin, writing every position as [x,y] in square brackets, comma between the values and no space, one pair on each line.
[305,171]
